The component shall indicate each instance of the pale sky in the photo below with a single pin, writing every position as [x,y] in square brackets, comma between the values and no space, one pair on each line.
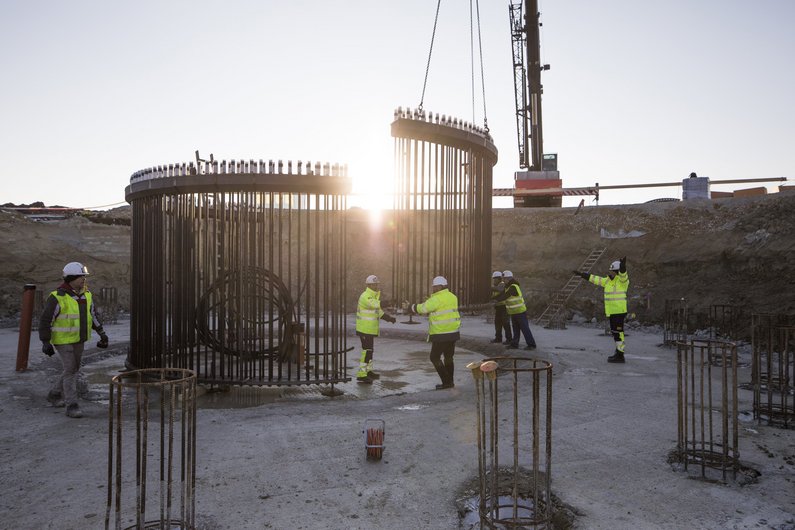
[638,91]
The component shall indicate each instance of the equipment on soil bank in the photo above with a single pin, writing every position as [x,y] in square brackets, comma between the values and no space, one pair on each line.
[374,438]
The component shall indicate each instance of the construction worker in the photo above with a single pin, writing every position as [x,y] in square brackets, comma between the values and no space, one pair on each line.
[501,319]
[517,311]
[615,293]
[444,323]
[67,320]
[368,312]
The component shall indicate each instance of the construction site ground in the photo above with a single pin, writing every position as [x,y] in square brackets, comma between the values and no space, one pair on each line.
[294,458]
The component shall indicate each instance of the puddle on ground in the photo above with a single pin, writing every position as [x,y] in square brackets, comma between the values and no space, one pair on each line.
[237,397]
[413,407]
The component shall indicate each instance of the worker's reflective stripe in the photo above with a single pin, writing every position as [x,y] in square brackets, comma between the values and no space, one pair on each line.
[436,314]
[69,329]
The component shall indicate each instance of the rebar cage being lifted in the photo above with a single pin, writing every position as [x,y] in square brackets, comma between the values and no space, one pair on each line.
[238,271]
[442,206]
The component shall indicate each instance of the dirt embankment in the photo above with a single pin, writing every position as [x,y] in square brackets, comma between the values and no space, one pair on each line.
[739,252]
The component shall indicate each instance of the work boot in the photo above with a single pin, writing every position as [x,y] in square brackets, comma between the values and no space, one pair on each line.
[496,341]
[364,379]
[617,357]
[55,399]
[530,347]
[513,345]
[506,341]
[445,385]
[73,411]
[373,375]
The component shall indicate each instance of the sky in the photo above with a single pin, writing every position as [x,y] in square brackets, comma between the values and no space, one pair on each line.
[637,91]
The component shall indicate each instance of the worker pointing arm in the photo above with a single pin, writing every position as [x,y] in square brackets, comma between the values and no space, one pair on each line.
[615,286]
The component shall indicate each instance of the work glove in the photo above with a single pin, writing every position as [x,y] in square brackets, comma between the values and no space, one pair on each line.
[103,341]
[389,318]
[623,264]
[582,275]
[47,349]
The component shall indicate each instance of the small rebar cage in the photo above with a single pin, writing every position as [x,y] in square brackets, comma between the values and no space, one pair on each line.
[707,436]
[514,424]
[152,450]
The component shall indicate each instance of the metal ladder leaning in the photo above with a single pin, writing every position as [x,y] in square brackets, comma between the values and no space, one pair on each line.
[552,317]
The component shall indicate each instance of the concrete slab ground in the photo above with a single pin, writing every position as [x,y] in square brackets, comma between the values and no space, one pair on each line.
[293,458]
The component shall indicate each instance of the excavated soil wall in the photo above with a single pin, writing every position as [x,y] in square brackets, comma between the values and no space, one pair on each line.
[735,251]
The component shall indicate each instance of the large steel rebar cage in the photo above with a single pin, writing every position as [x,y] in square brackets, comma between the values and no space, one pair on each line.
[442,206]
[238,271]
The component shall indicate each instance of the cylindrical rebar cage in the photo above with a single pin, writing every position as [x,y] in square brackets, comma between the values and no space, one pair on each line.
[675,326]
[514,424]
[443,188]
[152,450]
[773,368]
[238,271]
[707,406]
[726,322]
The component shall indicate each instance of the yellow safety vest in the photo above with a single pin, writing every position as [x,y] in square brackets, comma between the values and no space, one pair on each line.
[66,326]
[515,304]
[615,292]
[442,311]
[497,290]
[368,312]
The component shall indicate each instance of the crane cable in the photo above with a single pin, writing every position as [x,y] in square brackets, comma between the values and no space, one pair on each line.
[430,52]
[472,60]
[482,75]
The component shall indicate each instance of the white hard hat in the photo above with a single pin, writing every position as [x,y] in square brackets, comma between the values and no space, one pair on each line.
[507,274]
[496,274]
[372,279]
[616,265]
[74,268]
[439,280]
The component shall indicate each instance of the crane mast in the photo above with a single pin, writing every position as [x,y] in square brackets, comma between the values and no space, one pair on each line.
[527,69]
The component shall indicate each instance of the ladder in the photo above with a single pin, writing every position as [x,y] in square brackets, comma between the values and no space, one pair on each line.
[552,317]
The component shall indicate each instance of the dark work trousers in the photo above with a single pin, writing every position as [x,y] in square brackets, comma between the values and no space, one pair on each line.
[617,329]
[520,325]
[366,357]
[445,370]
[502,322]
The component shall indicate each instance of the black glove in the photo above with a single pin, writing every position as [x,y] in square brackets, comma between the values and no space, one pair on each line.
[47,349]
[623,264]
[582,275]
[103,341]
[389,318]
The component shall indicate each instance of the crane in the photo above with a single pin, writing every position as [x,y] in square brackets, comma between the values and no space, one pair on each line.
[527,68]
[527,81]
